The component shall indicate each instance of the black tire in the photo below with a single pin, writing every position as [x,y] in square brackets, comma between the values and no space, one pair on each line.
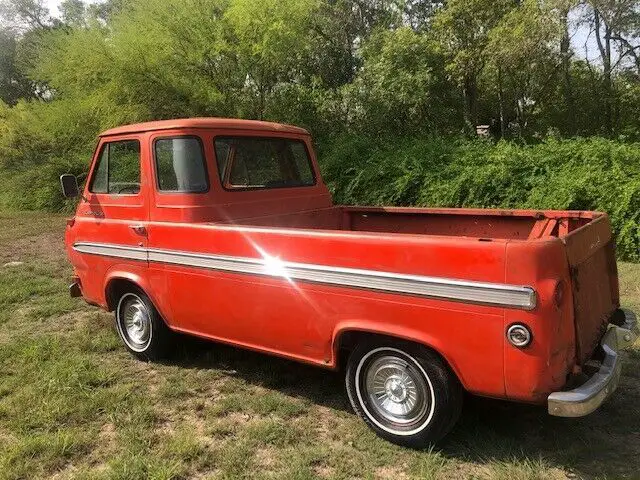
[384,378]
[148,337]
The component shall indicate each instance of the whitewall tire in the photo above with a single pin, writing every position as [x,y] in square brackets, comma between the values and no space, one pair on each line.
[403,391]
[140,326]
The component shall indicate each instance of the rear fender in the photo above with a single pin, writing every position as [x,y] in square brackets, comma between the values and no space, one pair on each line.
[389,330]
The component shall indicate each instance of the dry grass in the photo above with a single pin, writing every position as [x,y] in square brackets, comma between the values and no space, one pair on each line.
[74,404]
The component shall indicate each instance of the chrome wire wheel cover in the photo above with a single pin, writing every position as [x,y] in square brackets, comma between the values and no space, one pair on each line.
[134,322]
[395,391]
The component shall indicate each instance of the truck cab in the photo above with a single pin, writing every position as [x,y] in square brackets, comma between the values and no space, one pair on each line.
[224,229]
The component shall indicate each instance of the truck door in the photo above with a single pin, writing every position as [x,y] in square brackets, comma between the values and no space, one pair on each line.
[111,219]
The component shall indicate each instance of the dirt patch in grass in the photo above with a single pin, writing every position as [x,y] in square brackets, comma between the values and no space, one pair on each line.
[397,472]
[74,404]
[29,235]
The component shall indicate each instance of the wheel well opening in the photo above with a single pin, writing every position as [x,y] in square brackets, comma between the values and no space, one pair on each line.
[115,289]
[348,341]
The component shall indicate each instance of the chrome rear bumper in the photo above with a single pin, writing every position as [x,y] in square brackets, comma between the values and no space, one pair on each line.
[590,395]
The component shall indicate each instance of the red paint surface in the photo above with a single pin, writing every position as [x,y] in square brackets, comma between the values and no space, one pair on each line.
[304,321]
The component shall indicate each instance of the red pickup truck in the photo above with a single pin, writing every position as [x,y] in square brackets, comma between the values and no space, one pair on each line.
[224,229]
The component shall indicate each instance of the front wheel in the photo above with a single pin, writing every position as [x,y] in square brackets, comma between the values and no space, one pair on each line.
[140,326]
[404,392]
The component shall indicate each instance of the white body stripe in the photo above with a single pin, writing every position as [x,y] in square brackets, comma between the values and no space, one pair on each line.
[498,294]
[111,250]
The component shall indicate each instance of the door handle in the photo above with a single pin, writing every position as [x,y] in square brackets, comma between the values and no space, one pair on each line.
[139,229]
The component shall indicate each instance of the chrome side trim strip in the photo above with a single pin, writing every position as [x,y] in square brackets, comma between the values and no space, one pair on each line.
[431,287]
[112,250]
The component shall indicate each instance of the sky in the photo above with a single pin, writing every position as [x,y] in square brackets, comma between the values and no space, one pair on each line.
[52,5]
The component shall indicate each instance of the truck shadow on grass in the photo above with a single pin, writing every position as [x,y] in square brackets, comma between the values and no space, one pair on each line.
[603,444]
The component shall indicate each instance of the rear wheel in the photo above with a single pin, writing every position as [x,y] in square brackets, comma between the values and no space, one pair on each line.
[404,392]
[140,326]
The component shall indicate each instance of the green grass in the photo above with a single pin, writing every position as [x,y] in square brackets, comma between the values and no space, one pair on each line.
[74,404]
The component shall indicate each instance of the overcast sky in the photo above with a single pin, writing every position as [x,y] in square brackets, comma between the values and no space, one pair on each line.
[53,7]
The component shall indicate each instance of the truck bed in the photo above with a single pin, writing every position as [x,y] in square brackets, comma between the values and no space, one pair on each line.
[586,236]
[479,223]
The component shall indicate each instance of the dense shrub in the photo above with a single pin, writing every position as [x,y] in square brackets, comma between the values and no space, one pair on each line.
[40,141]
[577,174]
[37,145]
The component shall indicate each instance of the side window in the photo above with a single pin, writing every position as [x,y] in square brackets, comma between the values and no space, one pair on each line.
[253,162]
[180,165]
[118,169]
[223,148]
[100,182]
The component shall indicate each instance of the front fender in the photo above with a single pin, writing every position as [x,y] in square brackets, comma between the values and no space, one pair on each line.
[135,275]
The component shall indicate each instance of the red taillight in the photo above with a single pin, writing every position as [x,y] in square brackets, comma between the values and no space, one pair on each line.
[71,222]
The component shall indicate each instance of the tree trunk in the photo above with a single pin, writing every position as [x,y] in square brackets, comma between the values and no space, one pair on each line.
[470,91]
[565,53]
[261,103]
[521,107]
[605,55]
[501,103]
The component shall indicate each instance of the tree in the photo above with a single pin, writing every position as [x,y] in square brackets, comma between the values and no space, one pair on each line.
[418,14]
[462,28]
[616,27]
[402,86]
[14,85]
[73,13]
[21,23]
[25,14]
[564,8]
[522,52]
[106,10]
[272,45]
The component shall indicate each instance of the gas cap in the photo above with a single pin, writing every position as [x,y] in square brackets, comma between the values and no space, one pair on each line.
[519,335]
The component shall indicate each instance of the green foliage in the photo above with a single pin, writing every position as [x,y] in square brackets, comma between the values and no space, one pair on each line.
[578,174]
[39,142]
[13,84]
[375,82]
[522,61]
[402,85]
[463,28]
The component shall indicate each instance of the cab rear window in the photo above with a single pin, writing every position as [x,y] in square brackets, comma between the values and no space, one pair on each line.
[257,162]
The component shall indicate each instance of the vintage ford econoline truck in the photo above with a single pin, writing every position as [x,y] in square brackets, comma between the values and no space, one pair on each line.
[224,229]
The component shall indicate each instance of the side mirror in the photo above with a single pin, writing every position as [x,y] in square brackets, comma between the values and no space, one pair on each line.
[69,185]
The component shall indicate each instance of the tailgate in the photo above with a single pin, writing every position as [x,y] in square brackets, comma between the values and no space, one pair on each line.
[594,282]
